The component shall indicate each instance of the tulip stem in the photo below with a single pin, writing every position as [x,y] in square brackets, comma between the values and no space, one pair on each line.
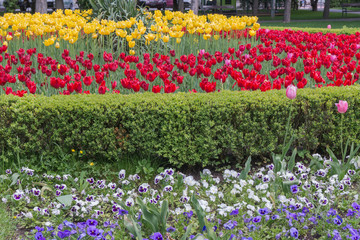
[287,125]
[341,134]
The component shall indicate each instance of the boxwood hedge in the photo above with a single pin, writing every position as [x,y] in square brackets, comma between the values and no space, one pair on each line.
[183,128]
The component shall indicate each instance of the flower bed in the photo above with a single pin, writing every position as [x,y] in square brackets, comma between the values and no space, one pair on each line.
[294,203]
[172,54]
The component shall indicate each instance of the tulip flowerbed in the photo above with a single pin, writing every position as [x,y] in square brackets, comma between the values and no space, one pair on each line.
[216,54]
[274,202]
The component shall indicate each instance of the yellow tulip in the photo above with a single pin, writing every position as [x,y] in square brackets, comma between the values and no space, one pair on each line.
[57,45]
[129,38]
[131,44]
[132,52]
[166,38]
[252,32]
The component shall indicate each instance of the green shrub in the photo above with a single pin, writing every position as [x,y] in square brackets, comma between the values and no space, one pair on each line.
[344,30]
[185,128]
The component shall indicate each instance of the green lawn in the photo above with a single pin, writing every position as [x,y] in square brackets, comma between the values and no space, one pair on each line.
[8,227]
[314,24]
[306,15]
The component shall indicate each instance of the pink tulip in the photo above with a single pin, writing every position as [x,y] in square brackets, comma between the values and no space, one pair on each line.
[291,91]
[227,62]
[333,58]
[342,106]
[329,26]
[202,51]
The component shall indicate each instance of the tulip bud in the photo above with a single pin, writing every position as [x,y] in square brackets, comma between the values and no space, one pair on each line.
[329,26]
[291,91]
[342,106]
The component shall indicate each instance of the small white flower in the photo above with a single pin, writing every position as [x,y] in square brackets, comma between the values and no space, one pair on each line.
[28,215]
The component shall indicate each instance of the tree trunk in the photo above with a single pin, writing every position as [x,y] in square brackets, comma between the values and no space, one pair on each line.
[181,5]
[287,11]
[255,7]
[273,8]
[175,5]
[41,6]
[326,12]
[195,6]
[59,4]
[314,5]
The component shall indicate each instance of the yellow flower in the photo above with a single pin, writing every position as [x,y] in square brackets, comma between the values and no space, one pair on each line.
[57,44]
[129,38]
[131,44]
[14,217]
[91,164]
[178,40]
[256,26]
[5,43]
[49,42]
[132,52]
[81,152]
[17,34]
[206,36]
[216,37]
[9,38]
[94,36]
[73,150]
[252,32]
[166,38]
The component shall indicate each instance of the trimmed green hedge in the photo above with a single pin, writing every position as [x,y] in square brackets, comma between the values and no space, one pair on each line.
[344,30]
[185,128]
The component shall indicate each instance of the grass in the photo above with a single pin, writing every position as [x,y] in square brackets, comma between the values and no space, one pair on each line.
[307,15]
[7,223]
[314,24]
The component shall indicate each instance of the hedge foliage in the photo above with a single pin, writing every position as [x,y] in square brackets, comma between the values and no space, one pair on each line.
[185,128]
[344,30]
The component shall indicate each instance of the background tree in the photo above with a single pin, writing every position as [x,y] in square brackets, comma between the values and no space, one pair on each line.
[195,6]
[41,6]
[59,4]
[287,11]
[255,7]
[175,5]
[314,4]
[326,12]
[181,5]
